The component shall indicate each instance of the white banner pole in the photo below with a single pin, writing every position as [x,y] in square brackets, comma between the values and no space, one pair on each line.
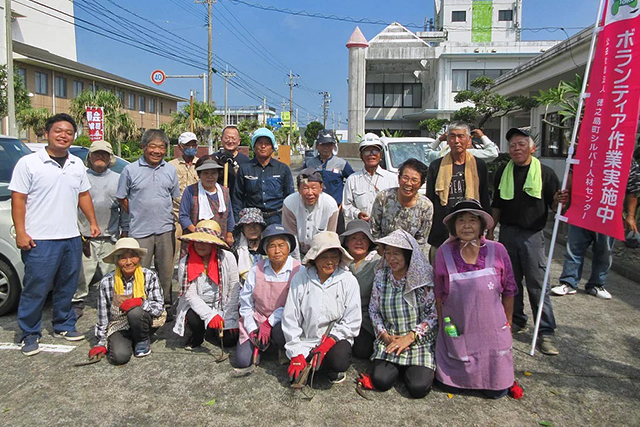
[569,162]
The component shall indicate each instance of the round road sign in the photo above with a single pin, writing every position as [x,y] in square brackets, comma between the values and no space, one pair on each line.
[158,76]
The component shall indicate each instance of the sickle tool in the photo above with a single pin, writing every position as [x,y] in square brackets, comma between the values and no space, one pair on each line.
[223,356]
[91,361]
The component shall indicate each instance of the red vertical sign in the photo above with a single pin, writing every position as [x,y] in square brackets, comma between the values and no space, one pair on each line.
[608,128]
[95,121]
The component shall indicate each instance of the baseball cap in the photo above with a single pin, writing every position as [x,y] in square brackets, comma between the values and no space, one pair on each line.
[187,137]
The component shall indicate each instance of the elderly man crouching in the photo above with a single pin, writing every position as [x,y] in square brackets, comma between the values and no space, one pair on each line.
[128,301]
[309,211]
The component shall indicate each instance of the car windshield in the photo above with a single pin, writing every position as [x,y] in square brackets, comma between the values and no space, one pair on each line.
[11,150]
[401,151]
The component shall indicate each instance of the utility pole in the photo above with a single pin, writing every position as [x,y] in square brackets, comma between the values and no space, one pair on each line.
[226,74]
[11,104]
[291,85]
[191,108]
[264,111]
[210,47]
[326,99]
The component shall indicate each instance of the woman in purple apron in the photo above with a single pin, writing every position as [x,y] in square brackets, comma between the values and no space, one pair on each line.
[264,294]
[474,287]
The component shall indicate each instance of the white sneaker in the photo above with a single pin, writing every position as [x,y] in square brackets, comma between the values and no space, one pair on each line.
[563,289]
[599,292]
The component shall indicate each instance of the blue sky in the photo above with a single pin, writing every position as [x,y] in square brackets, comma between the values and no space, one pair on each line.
[263,45]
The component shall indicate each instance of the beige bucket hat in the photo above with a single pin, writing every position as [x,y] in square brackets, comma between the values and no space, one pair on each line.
[101,145]
[324,241]
[122,245]
[207,231]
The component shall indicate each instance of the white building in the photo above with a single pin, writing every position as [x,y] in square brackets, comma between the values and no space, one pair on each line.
[410,77]
[252,112]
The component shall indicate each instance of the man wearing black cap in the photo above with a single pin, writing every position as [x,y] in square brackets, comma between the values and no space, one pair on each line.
[525,189]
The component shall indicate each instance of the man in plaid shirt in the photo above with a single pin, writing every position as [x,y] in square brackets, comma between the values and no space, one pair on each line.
[128,300]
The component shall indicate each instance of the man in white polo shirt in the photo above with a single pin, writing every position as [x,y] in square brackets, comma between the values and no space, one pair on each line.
[47,189]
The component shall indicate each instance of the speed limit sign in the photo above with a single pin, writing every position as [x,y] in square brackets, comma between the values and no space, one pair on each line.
[158,76]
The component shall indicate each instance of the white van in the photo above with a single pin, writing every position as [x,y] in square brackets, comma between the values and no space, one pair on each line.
[397,150]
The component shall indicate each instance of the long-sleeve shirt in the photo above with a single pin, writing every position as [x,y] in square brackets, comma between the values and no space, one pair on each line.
[361,189]
[261,187]
[153,304]
[186,204]
[247,305]
[311,306]
[111,217]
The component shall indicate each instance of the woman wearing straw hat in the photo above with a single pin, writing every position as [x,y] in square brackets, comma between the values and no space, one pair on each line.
[246,240]
[403,313]
[128,300]
[210,287]
[357,239]
[474,287]
[264,293]
[207,199]
[323,296]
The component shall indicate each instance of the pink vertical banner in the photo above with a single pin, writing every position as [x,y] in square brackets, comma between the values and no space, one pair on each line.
[95,121]
[608,128]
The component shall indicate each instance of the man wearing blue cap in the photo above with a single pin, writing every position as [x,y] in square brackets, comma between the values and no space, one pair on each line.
[263,182]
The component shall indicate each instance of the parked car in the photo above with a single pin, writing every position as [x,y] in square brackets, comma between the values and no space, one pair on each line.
[11,266]
[81,152]
[397,150]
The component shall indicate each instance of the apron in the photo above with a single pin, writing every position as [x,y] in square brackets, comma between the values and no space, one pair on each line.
[267,297]
[119,320]
[480,358]
[400,319]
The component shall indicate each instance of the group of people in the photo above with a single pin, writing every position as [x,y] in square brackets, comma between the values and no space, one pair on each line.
[352,263]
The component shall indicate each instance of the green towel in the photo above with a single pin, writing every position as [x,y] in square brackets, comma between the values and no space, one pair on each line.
[532,185]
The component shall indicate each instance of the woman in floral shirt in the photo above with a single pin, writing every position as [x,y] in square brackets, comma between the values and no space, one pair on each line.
[404,316]
[403,208]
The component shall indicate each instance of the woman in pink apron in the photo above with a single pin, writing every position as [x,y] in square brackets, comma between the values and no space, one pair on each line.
[474,287]
[264,294]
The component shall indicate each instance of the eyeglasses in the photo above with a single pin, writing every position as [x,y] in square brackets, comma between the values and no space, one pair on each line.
[409,180]
[370,152]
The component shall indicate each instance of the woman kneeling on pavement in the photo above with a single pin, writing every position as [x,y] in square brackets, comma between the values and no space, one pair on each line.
[474,289]
[322,314]
[210,287]
[128,301]
[247,240]
[357,239]
[264,294]
[404,315]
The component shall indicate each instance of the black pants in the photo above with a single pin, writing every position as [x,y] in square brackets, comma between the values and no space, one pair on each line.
[490,394]
[363,345]
[198,330]
[418,379]
[337,360]
[121,343]
[244,351]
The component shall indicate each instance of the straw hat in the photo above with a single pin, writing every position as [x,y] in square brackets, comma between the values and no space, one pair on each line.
[324,241]
[207,231]
[124,244]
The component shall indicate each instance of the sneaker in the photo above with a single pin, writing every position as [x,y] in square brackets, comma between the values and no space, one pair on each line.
[142,349]
[190,347]
[30,346]
[599,292]
[339,377]
[547,345]
[69,335]
[563,289]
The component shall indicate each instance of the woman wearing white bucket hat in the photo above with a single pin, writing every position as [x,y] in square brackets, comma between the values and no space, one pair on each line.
[321,295]
[128,301]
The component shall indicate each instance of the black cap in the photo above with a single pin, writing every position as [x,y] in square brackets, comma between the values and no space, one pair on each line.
[311,174]
[517,131]
[326,137]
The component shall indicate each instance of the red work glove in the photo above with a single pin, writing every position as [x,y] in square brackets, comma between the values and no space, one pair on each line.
[216,323]
[323,349]
[516,391]
[264,334]
[297,365]
[130,303]
[98,350]
[365,381]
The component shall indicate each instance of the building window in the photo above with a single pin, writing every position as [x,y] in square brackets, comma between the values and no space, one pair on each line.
[131,101]
[394,95]
[120,95]
[461,79]
[78,88]
[161,107]
[152,105]
[555,141]
[505,15]
[459,16]
[142,103]
[61,87]
[23,76]
[42,83]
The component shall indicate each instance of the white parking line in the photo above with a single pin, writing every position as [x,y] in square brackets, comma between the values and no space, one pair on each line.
[48,348]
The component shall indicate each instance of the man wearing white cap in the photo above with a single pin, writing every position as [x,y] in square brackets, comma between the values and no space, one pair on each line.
[112,219]
[361,188]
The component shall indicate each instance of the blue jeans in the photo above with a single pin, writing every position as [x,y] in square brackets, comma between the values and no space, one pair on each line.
[53,265]
[578,242]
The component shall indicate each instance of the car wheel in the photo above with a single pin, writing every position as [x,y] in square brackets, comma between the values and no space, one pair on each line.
[9,289]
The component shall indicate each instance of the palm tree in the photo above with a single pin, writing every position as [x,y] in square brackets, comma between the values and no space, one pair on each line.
[205,123]
[33,119]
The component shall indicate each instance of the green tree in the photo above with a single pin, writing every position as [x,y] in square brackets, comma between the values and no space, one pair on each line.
[565,96]
[282,136]
[118,125]
[311,132]
[33,119]
[246,128]
[433,126]
[21,96]
[205,123]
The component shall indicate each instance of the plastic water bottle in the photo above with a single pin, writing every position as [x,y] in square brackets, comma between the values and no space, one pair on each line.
[450,328]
